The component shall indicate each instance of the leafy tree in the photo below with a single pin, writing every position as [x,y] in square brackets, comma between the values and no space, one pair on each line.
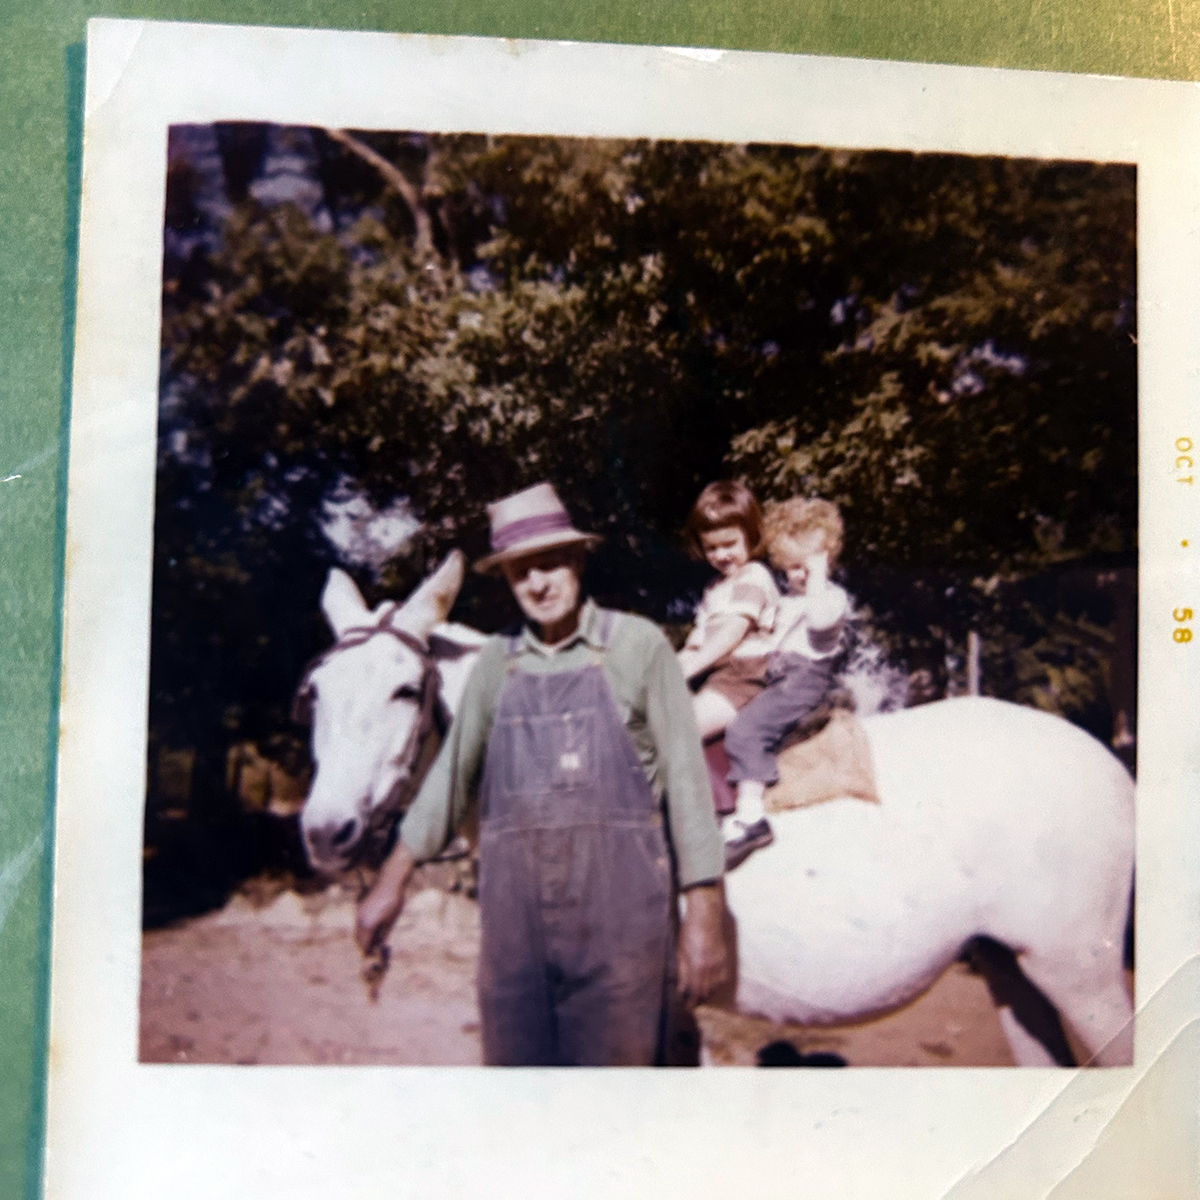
[988,355]
[943,345]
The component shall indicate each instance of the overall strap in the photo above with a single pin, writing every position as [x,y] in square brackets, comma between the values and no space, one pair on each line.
[604,628]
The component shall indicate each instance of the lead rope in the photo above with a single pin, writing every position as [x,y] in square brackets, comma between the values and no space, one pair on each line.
[378,958]
[375,969]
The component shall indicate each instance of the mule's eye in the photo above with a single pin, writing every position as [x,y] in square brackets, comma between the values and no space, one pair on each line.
[406,691]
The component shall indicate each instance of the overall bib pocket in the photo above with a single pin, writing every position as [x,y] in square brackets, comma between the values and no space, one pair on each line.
[548,753]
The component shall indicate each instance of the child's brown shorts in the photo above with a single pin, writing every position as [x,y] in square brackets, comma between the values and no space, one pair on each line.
[739,680]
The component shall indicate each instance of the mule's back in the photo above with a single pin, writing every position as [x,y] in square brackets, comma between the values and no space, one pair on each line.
[993,818]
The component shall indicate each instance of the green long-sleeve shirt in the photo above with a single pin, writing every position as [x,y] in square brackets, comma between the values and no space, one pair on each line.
[654,704]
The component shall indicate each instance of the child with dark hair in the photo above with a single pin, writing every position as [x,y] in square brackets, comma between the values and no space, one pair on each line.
[803,538]
[725,656]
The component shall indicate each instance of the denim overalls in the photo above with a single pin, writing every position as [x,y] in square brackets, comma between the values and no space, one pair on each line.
[575,884]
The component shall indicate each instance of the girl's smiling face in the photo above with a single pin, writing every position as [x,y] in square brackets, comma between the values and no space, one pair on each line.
[725,548]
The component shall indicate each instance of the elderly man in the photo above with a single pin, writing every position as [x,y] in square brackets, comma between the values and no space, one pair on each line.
[574,736]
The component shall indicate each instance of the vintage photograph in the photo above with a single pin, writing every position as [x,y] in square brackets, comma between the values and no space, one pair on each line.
[634,601]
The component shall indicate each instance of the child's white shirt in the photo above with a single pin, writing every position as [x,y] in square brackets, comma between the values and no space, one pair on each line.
[749,592]
[795,635]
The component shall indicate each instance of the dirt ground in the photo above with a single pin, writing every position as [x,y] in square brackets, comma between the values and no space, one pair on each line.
[279,982]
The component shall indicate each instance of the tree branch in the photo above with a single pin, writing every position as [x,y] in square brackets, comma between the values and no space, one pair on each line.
[392,175]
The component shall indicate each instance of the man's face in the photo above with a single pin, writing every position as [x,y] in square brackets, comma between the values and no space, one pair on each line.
[546,585]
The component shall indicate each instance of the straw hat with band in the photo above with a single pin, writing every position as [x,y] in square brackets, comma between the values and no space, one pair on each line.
[528,521]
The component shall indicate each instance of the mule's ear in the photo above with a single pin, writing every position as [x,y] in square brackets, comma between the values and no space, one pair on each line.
[342,603]
[432,601]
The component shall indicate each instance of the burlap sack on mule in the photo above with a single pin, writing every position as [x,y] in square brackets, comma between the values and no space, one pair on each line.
[833,762]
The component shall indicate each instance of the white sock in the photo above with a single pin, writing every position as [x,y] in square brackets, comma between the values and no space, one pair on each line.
[750,801]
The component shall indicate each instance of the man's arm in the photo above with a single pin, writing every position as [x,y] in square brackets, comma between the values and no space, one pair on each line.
[432,825]
[702,961]
[699,854]
[382,905]
[682,772]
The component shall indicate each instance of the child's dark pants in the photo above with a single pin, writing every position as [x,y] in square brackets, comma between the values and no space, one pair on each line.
[796,686]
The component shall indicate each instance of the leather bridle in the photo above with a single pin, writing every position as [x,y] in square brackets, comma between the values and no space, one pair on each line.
[432,717]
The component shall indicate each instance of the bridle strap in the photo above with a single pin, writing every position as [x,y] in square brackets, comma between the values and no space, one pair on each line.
[356,635]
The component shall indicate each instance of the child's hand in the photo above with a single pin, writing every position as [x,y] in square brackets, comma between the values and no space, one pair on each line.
[804,562]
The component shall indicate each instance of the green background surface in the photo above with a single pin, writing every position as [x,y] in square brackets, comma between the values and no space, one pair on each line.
[41,82]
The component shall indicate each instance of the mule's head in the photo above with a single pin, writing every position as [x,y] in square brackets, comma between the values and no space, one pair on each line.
[365,700]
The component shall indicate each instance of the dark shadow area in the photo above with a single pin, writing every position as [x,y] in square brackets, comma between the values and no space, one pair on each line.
[784,1054]
[1009,987]
[193,865]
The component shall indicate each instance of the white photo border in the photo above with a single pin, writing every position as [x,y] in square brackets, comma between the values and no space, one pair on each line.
[120,1129]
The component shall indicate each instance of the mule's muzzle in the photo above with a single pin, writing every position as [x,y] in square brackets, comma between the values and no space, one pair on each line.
[331,846]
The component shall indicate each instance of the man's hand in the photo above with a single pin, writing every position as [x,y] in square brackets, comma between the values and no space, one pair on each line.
[703,963]
[379,908]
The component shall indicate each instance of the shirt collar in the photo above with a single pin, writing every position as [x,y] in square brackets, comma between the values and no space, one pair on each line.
[588,630]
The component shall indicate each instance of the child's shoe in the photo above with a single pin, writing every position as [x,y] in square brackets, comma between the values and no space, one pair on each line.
[750,837]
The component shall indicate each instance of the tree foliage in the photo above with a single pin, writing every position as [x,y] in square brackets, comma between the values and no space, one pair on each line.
[943,345]
[990,371]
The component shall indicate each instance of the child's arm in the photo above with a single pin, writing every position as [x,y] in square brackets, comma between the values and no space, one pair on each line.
[720,637]
[826,605]
[824,602]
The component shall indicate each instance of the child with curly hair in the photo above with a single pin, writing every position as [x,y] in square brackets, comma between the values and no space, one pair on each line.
[803,538]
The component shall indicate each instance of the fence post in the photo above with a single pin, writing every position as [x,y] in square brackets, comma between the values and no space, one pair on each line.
[972,663]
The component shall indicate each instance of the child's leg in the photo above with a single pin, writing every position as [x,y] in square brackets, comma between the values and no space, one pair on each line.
[749,801]
[713,712]
[749,741]
[754,733]
[805,684]
[798,686]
